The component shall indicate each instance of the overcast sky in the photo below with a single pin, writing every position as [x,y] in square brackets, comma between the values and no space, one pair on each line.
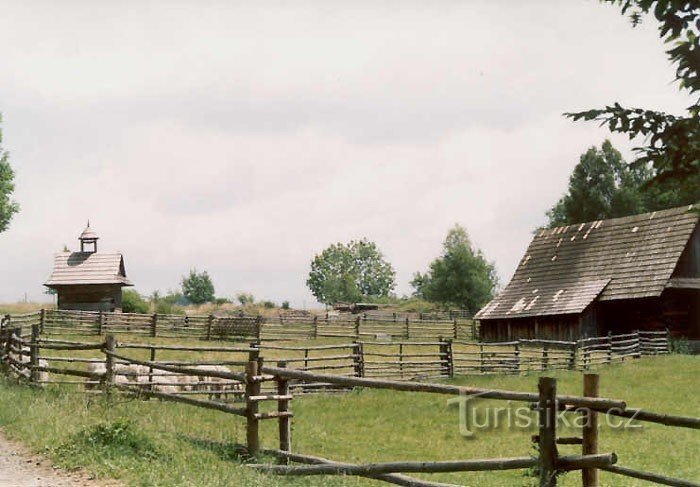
[244,137]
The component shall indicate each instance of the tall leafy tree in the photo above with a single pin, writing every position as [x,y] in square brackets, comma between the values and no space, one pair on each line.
[350,272]
[601,186]
[672,142]
[8,207]
[461,276]
[198,287]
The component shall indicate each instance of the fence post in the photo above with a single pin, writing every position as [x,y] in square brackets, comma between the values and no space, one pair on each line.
[609,347]
[357,326]
[408,328]
[590,429]
[154,325]
[254,352]
[150,368]
[358,360]
[481,358]
[454,328]
[450,358]
[668,340]
[306,359]
[8,339]
[252,388]
[100,321]
[474,330]
[259,322]
[545,356]
[572,357]
[109,361]
[34,354]
[210,323]
[517,357]
[42,320]
[547,412]
[639,346]
[285,425]
[315,327]
[401,360]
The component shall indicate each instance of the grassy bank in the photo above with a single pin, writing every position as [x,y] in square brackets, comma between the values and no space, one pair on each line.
[156,443]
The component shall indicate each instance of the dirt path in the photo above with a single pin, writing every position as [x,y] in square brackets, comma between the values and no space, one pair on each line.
[20,468]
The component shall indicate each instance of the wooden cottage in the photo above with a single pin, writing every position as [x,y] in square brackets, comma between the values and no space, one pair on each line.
[88,280]
[638,272]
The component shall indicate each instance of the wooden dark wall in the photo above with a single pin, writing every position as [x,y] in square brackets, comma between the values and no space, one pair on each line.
[689,263]
[676,309]
[555,327]
[90,297]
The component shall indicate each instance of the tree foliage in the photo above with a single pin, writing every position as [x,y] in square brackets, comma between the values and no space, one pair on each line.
[8,207]
[350,272]
[460,277]
[198,287]
[133,302]
[672,143]
[603,185]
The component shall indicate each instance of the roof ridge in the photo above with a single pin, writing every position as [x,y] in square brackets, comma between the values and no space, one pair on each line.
[629,218]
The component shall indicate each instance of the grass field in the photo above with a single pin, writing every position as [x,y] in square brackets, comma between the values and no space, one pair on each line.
[157,443]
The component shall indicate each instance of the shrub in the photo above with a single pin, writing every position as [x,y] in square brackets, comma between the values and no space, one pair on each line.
[269,304]
[285,304]
[680,346]
[245,298]
[133,302]
[120,438]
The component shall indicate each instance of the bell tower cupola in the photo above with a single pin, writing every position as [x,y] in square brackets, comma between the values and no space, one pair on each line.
[88,240]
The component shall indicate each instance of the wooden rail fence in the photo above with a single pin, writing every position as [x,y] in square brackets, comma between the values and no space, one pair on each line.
[243,327]
[241,391]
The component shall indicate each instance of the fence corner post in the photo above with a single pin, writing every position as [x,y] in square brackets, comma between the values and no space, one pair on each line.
[252,388]
[590,430]
[154,325]
[357,327]
[454,328]
[547,412]
[110,345]
[34,354]
[285,424]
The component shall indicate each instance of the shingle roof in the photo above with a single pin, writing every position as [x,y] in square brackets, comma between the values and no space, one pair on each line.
[88,268]
[566,268]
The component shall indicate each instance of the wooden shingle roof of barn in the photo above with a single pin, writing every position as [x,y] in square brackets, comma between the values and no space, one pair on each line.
[73,268]
[567,268]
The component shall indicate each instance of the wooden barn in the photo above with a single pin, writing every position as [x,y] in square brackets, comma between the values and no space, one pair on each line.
[624,274]
[88,280]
